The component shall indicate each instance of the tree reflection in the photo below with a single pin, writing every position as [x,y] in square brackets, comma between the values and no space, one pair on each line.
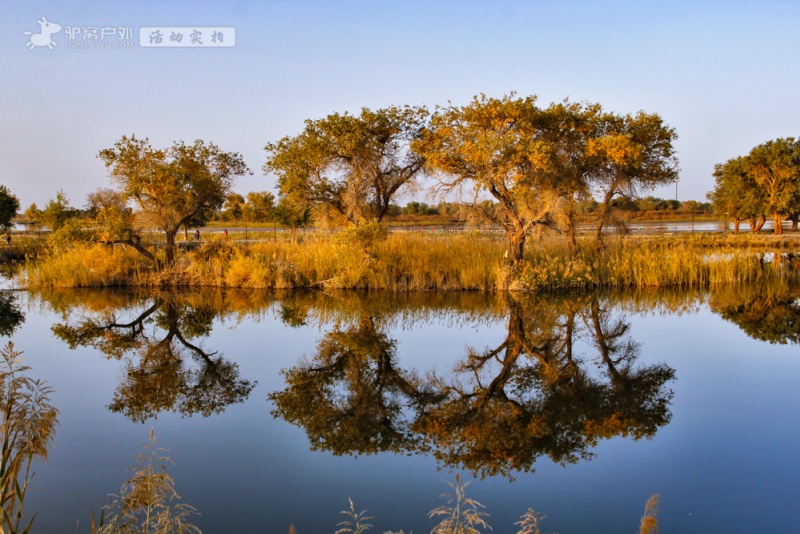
[500,409]
[534,396]
[351,398]
[766,313]
[10,314]
[165,368]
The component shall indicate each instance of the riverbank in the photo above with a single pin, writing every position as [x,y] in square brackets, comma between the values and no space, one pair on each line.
[426,262]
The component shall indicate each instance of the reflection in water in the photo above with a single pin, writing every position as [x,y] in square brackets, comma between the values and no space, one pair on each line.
[165,370]
[10,314]
[764,312]
[352,398]
[500,408]
[566,375]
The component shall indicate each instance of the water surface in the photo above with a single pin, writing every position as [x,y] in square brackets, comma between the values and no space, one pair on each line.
[278,407]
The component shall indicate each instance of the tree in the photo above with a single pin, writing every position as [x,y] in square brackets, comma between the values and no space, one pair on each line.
[57,211]
[173,186]
[116,222]
[104,198]
[259,206]
[349,168]
[775,167]
[233,205]
[630,154]
[495,147]
[9,204]
[292,215]
[32,212]
[736,194]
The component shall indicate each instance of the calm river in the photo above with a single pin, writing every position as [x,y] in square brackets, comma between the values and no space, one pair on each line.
[278,407]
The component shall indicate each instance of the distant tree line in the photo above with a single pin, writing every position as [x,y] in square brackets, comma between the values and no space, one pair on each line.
[763,184]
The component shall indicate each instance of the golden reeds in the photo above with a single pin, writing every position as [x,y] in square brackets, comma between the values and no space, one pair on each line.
[424,262]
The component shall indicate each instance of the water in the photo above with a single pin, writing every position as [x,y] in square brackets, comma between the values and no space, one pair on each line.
[368,407]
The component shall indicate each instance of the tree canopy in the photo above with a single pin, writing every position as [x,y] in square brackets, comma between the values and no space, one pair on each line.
[538,163]
[58,211]
[494,146]
[9,204]
[173,186]
[765,182]
[349,168]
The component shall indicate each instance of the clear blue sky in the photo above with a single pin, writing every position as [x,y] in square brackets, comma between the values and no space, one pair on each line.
[724,74]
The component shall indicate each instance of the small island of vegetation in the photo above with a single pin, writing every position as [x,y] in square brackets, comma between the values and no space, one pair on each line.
[551,193]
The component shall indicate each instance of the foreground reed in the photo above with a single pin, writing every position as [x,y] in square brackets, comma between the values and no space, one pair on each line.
[424,262]
[465,515]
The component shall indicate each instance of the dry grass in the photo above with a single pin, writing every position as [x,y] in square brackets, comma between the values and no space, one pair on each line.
[423,262]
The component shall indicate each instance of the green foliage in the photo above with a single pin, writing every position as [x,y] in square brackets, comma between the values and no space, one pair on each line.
[234,203]
[764,182]
[58,211]
[736,194]
[148,502]
[259,206]
[9,204]
[349,168]
[33,213]
[172,187]
[72,232]
[775,167]
[292,215]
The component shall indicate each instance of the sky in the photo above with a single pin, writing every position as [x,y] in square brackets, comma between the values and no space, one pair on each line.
[724,74]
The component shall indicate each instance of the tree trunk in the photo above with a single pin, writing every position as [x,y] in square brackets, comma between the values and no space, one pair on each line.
[776,217]
[756,224]
[170,250]
[570,216]
[571,241]
[516,246]
[794,217]
[598,231]
[736,222]
[605,210]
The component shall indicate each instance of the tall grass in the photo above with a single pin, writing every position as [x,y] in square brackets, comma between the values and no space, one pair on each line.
[424,262]
[148,502]
[28,428]
[465,515]
[84,266]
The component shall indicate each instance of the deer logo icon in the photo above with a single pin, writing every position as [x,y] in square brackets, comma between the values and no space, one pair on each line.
[46,29]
